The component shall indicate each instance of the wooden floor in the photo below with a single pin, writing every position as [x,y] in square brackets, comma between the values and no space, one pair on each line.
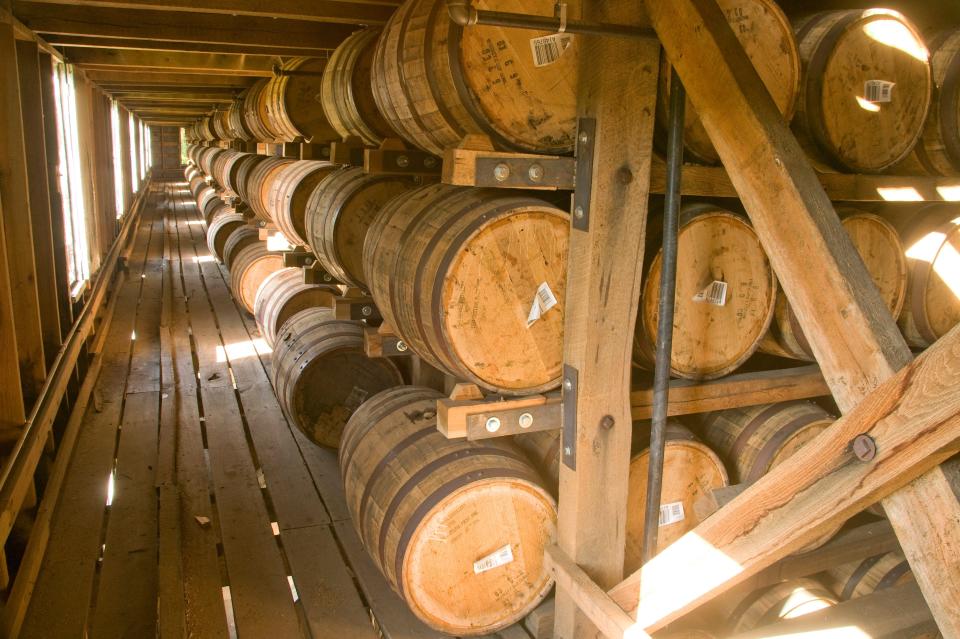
[191,508]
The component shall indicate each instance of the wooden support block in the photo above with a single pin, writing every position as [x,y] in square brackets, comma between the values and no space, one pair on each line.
[356,308]
[468,167]
[497,416]
[745,389]
[316,274]
[539,623]
[298,258]
[463,391]
[348,152]
[319,150]
[394,158]
[383,344]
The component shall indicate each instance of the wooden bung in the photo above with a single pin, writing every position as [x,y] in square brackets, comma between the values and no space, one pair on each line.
[865,90]
[221,226]
[249,267]
[726,293]
[458,528]
[879,246]
[283,294]
[321,375]
[932,241]
[339,214]
[436,82]
[767,36]
[237,240]
[473,280]
[290,191]
[346,92]
[691,471]
[259,183]
[785,600]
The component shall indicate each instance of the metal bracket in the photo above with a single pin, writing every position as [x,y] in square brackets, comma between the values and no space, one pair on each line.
[316,274]
[401,162]
[356,308]
[377,344]
[348,153]
[586,139]
[297,258]
[570,385]
[525,172]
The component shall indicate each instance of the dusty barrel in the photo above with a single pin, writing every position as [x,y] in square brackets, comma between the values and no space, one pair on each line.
[474,282]
[726,293]
[785,600]
[436,82]
[207,158]
[767,36]
[284,294]
[321,374]
[339,214]
[289,193]
[938,152]
[248,268]
[207,201]
[860,578]
[197,184]
[238,126]
[223,166]
[219,230]
[220,125]
[254,112]
[205,129]
[237,240]
[241,171]
[259,182]
[191,172]
[932,307]
[865,90]
[293,104]
[879,245]
[691,471]
[346,91]
[458,528]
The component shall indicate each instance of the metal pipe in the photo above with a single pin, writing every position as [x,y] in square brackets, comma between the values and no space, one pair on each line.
[664,346]
[464,14]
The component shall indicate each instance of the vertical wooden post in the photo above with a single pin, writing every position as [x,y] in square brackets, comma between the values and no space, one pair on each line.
[12,410]
[125,157]
[28,63]
[603,291]
[14,194]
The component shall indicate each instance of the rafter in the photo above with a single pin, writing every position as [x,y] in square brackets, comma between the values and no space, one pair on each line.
[153,61]
[111,79]
[59,39]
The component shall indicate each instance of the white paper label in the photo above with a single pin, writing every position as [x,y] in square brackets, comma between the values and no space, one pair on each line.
[878,90]
[543,301]
[548,49]
[715,293]
[671,513]
[496,558]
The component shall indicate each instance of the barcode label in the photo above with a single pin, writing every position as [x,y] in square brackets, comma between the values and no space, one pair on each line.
[496,558]
[543,301]
[671,513]
[548,49]
[715,293]
[878,90]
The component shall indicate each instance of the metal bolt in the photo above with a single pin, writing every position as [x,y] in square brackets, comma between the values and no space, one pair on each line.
[401,346]
[526,420]
[567,385]
[501,172]
[578,212]
[583,138]
[567,451]
[327,278]
[308,261]
[493,424]
[864,447]
[535,173]
[429,161]
[606,422]
[366,311]
[403,161]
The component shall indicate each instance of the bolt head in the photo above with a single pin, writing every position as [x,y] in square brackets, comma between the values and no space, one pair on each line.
[567,451]
[583,138]
[535,173]
[578,212]
[401,346]
[403,161]
[607,422]
[567,385]
[526,420]
[864,447]
[429,161]
[493,424]
[501,172]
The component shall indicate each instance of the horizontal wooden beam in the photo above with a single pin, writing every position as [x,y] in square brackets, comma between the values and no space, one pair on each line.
[912,421]
[336,11]
[68,19]
[146,61]
[66,40]
[172,99]
[134,79]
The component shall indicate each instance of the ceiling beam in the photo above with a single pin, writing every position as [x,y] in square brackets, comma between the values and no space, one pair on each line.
[149,61]
[173,98]
[62,40]
[138,80]
[332,11]
[67,19]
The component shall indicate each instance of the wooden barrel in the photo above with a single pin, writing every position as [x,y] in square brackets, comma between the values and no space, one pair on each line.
[458,528]
[726,293]
[436,82]
[321,374]
[191,172]
[866,88]
[691,471]
[293,105]
[220,125]
[879,245]
[253,110]
[207,158]
[767,36]
[284,294]
[217,208]
[238,126]
[785,600]
[207,201]
[241,172]
[860,578]
[474,281]
[346,91]
[339,214]
[219,230]
[205,129]
[237,240]
[258,185]
[289,192]
[223,166]
[932,241]
[197,184]
[251,265]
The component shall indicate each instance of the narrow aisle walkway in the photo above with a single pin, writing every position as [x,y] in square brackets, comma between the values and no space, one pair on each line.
[191,507]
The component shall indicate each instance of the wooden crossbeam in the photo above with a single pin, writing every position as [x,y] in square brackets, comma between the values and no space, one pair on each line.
[107,59]
[108,80]
[69,19]
[67,40]
[355,12]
